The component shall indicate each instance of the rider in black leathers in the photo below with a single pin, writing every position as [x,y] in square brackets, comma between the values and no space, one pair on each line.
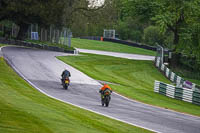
[65,74]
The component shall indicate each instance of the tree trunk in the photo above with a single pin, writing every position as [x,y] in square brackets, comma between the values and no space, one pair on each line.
[23,28]
[176,37]
[175,60]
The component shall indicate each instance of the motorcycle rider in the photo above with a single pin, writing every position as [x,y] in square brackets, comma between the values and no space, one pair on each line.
[65,74]
[103,89]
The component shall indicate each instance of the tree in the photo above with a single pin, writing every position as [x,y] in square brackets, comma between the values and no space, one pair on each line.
[92,20]
[42,12]
[167,14]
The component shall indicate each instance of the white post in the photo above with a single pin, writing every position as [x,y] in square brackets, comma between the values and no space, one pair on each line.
[113,34]
[65,37]
[50,34]
[41,39]
[45,33]
[12,29]
[162,54]
[36,27]
[69,39]
[58,36]
[54,36]
[61,34]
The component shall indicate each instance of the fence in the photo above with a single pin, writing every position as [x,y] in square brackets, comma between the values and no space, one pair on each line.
[130,44]
[121,42]
[51,34]
[179,93]
[179,81]
[35,45]
[98,38]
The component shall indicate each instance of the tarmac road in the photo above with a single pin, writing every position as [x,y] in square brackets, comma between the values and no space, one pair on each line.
[117,54]
[43,70]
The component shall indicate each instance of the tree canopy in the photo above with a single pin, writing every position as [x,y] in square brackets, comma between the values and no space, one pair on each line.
[42,12]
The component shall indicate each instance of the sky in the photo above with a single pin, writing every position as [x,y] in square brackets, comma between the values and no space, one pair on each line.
[97,2]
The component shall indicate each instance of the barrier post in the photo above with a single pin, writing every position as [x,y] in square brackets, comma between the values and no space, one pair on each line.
[101,38]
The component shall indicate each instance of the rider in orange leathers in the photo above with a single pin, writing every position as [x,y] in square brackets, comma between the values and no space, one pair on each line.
[105,87]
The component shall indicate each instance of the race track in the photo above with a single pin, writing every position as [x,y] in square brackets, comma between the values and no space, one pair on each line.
[117,54]
[42,69]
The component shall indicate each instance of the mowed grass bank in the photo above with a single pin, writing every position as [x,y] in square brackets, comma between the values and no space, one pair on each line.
[2,45]
[109,46]
[135,79]
[23,109]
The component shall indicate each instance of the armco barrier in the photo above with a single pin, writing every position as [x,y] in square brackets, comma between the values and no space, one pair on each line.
[91,37]
[34,45]
[179,81]
[121,42]
[130,44]
[184,94]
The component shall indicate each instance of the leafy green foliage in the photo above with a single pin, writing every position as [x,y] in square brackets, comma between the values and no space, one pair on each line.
[153,36]
[92,22]
[44,13]
[178,17]
[130,29]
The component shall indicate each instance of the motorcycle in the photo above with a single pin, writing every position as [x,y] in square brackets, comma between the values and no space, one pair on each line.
[65,82]
[105,98]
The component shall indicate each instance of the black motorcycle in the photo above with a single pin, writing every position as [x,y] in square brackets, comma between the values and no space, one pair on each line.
[65,82]
[105,98]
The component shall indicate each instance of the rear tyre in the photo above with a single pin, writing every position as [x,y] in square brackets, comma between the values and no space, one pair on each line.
[107,103]
[66,86]
[102,102]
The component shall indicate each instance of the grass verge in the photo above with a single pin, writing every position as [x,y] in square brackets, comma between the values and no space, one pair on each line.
[2,45]
[135,79]
[25,110]
[109,46]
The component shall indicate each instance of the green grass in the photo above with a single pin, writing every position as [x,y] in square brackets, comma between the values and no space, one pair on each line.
[109,46]
[51,44]
[23,109]
[135,79]
[2,45]
[196,81]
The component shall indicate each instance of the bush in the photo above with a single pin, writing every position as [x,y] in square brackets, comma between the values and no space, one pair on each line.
[136,36]
[1,33]
[152,36]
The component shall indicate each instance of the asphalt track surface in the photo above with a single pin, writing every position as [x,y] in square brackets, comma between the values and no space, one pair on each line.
[117,54]
[42,69]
